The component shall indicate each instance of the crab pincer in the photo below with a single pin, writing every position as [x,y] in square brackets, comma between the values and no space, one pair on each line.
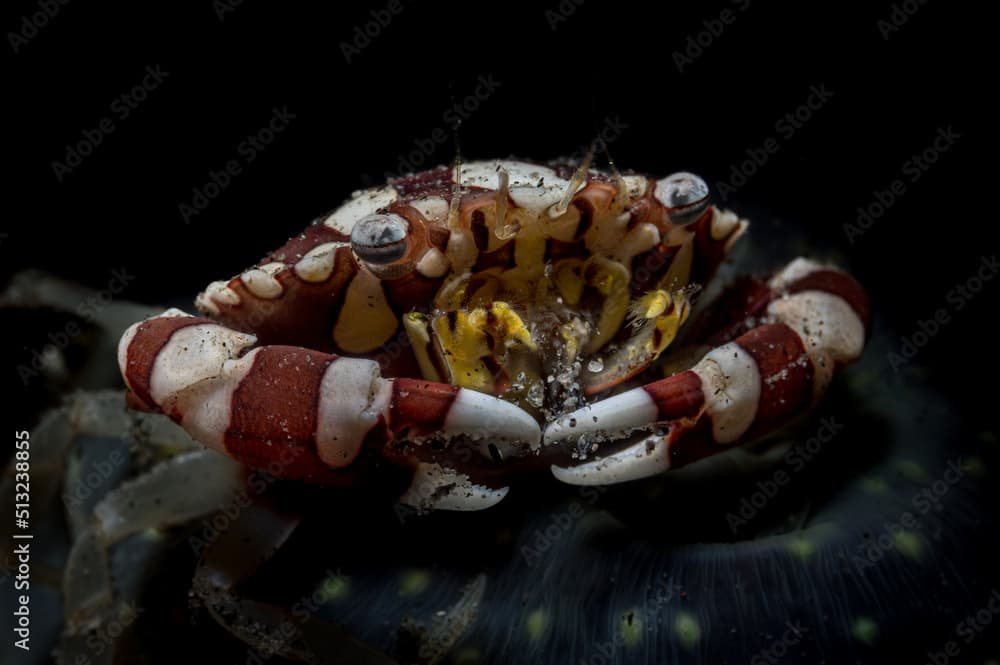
[304,414]
[774,360]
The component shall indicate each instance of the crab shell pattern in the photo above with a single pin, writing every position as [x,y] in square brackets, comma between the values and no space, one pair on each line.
[463,324]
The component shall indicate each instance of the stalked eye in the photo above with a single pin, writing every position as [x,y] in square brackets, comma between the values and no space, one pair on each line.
[685,195]
[380,239]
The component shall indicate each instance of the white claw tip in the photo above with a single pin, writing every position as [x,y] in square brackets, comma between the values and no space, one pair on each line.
[479,414]
[438,488]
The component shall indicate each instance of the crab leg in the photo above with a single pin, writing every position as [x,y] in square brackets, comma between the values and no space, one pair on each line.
[298,413]
[812,319]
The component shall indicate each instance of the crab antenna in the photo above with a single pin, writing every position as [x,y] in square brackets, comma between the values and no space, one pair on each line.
[456,188]
[456,193]
[502,230]
[560,208]
[621,198]
[454,134]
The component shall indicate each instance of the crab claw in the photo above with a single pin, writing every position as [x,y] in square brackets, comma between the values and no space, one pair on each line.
[298,413]
[815,320]
[436,487]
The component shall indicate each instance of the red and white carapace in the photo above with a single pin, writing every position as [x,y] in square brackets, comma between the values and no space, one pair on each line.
[464,323]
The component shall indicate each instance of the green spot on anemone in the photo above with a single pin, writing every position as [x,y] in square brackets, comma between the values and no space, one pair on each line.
[862,380]
[536,623]
[909,544]
[414,582]
[468,656]
[875,485]
[336,587]
[912,471]
[801,548]
[687,629]
[630,627]
[865,630]
[974,466]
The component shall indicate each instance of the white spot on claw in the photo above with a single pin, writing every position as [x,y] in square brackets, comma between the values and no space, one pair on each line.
[825,322]
[352,395]
[730,381]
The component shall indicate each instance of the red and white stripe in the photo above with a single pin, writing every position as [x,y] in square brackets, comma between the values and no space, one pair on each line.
[295,412]
[296,294]
[813,319]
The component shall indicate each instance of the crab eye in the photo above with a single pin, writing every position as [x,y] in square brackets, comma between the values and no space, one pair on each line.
[380,239]
[685,195]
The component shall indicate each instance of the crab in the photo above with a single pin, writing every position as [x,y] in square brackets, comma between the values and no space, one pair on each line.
[462,325]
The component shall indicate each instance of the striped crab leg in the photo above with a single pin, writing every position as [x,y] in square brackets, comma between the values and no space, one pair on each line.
[811,319]
[304,414]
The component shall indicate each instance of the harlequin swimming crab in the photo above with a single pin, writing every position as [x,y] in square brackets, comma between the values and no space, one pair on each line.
[465,323]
